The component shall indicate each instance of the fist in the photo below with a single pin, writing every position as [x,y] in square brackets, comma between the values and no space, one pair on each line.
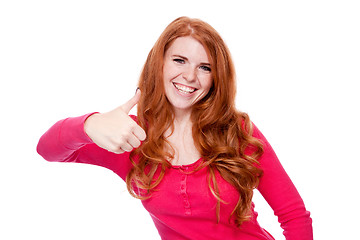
[116,131]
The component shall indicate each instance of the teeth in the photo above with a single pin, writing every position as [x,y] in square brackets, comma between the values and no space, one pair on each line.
[184,89]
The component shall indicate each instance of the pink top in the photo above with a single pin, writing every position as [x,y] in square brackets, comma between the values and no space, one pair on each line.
[183,206]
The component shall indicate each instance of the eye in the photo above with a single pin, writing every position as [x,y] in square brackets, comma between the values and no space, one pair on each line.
[205,68]
[178,60]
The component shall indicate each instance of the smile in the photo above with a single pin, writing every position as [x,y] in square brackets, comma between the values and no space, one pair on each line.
[184,89]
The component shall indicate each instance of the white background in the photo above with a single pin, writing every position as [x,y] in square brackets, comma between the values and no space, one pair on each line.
[297,65]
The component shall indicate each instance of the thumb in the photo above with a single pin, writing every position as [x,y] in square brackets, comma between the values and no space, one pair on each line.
[126,107]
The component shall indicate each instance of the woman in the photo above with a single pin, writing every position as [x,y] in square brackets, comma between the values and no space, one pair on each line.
[189,155]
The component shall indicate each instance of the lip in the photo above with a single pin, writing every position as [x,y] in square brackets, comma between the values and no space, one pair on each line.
[181,93]
[177,87]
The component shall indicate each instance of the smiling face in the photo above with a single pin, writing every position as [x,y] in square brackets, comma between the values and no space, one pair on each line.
[187,74]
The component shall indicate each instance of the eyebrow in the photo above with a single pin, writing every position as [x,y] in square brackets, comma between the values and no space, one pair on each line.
[185,58]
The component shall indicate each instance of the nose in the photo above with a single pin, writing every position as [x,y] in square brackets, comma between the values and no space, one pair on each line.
[189,74]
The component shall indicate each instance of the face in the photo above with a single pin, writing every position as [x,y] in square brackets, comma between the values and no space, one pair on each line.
[187,73]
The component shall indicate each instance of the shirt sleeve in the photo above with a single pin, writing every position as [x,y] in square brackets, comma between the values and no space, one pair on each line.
[278,190]
[66,141]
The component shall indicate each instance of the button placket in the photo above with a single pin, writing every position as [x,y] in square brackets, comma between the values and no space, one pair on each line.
[184,195]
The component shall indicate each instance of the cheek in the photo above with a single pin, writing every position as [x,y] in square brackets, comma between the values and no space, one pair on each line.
[165,71]
[207,83]
[169,71]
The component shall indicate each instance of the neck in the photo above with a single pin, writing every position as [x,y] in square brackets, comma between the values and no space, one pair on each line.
[182,118]
[182,124]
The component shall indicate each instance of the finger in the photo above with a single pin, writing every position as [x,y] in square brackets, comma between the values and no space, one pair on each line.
[132,102]
[134,141]
[119,151]
[126,147]
[139,133]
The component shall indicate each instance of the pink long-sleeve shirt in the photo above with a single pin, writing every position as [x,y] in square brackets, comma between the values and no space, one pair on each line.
[183,207]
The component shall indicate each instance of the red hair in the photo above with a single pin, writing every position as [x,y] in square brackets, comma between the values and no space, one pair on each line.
[221,133]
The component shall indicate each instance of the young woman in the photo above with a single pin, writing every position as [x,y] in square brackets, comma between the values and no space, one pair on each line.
[189,155]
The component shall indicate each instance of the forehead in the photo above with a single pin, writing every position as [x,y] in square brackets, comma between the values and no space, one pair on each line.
[189,47]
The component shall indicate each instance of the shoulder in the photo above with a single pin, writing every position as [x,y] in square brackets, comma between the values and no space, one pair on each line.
[248,126]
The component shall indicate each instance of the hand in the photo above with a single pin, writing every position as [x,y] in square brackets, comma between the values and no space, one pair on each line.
[116,131]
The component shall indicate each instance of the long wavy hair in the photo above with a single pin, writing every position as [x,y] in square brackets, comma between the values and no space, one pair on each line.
[221,134]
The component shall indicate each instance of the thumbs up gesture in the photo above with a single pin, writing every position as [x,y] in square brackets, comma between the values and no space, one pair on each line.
[116,131]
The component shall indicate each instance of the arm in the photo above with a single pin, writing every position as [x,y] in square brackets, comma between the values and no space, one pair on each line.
[100,139]
[66,141]
[280,193]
